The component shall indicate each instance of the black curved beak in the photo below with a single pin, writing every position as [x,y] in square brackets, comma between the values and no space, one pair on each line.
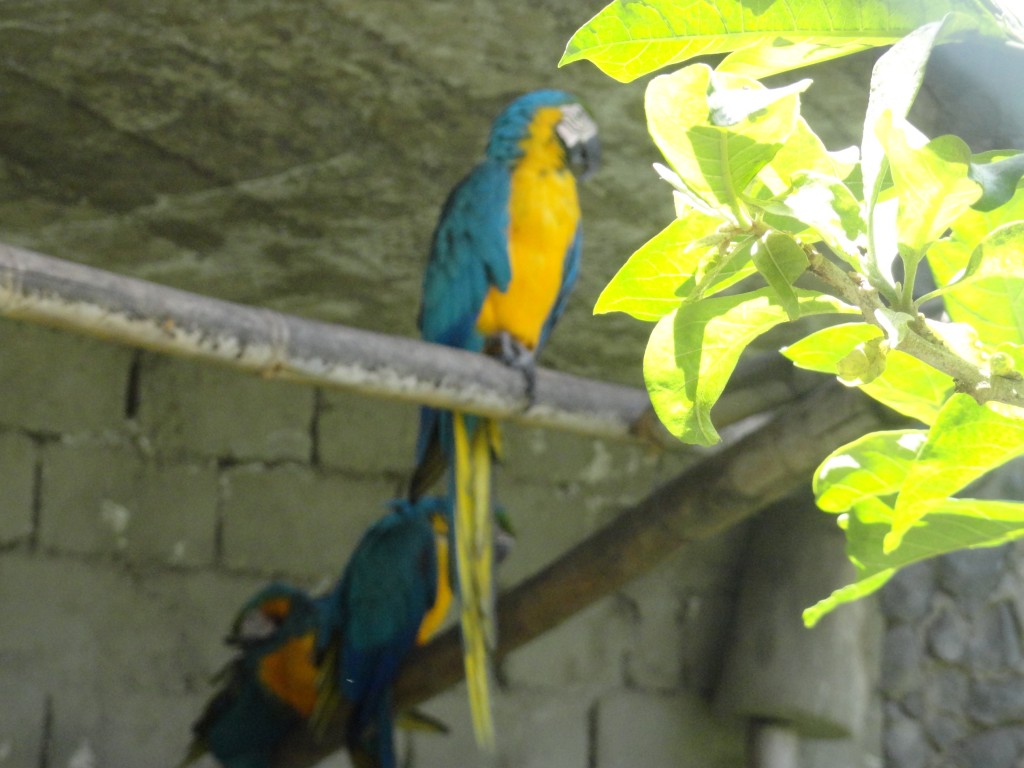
[578,133]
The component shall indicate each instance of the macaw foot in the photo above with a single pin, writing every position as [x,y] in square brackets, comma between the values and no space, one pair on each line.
[515,354]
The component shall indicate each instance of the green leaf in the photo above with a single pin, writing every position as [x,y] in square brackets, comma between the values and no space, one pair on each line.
[950,525]
[718,162]
[730,105]
[895,81]
[828,208]
[719,269]
[629,39]
[990,298]
[931,184]
[907,385]
[966,441]
[647,285]
[974,225]
[863,364]
[873,465]
[998,179]
[805,153]
[822,350]
[851,592]
[693,351]
[781,261]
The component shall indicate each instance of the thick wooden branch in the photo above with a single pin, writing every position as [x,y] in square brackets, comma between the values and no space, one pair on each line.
[90,301]
[722,490]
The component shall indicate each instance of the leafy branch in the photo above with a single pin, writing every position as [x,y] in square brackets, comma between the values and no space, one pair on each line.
[916,338]
[772,227]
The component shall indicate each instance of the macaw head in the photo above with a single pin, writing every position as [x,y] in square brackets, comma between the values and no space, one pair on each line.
[276,612]
[555,115]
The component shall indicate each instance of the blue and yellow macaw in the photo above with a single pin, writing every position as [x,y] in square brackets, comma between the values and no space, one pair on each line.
[504,258]
[393,594]
[270,687]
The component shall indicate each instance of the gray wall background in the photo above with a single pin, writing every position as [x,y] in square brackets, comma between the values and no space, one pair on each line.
[128,542]
[295,156]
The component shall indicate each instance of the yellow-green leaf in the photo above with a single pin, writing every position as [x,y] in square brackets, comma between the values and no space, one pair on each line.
[826,206]
[692,353]
[630,39]
[966,441]
[863,364]
[895,81]
[780,260]
[931,183]
[907,385]
[805,153]
[647,285]
[717,161]
[950,525]
[991,298]
[873,465]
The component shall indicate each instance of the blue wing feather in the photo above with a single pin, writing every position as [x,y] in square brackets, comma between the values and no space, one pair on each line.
[388,586]
[469,254]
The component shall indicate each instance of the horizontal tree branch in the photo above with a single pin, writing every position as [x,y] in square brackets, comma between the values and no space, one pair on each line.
[271,344]
[720,491]
[275,345]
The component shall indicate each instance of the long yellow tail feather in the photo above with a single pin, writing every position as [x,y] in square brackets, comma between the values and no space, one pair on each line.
[474,550]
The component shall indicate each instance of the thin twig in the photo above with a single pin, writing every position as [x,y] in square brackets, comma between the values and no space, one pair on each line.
[917,338]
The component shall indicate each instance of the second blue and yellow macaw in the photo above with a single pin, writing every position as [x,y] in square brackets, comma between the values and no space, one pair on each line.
[270,687]
[301,659]
[393,594]
[504,258]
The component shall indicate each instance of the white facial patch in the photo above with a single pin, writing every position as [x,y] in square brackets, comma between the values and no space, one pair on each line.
[576,126]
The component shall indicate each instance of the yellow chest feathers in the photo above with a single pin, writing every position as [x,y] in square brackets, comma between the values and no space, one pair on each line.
[543,217]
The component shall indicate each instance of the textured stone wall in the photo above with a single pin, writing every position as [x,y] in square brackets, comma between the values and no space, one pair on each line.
[143,498]
[953,665]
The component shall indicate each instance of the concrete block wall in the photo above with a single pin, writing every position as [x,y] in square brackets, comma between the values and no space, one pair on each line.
[953,675]
[144,498]
[953,653]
